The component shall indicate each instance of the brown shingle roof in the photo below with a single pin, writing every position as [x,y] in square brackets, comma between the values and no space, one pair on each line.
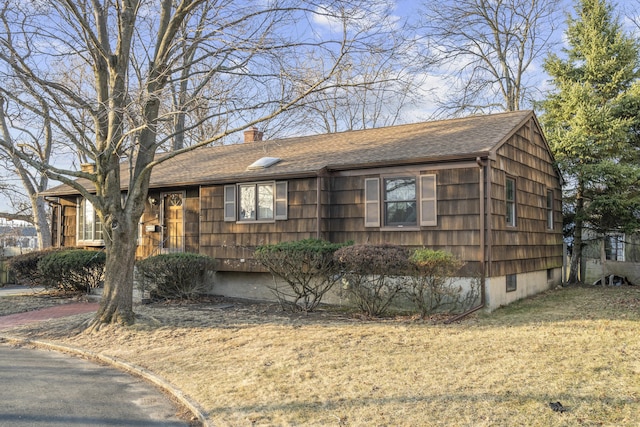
[396,145]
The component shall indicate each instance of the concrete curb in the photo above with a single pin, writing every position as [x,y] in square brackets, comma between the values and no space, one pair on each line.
[129,368]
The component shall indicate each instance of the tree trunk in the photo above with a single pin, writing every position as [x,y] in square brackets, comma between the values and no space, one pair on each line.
[603,261]
[116,305]
[178,139]
[43,231]
[576,254]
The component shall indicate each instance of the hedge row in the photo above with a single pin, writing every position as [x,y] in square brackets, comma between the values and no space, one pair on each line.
[373,277]
[68,270]
[181,276]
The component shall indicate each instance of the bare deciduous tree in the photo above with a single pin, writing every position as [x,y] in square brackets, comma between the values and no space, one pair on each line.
[486,49]
[369,91]
[235,64]
[37,146]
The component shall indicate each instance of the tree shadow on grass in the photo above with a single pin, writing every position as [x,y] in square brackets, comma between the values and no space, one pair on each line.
[484,408]
[586,303]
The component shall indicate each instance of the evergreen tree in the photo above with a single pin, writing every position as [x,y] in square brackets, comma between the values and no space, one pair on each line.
[591,123]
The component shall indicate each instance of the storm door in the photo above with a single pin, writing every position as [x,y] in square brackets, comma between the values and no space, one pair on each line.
[173,222]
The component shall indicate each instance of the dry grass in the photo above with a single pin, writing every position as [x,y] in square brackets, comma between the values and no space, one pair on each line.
[248,364]
[30,301]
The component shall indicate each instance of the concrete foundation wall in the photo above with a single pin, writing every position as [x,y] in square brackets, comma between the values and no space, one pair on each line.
[527,284]
[255,286]
[243,285]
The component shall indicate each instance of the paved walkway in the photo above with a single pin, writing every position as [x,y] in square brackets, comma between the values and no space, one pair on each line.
[62,310]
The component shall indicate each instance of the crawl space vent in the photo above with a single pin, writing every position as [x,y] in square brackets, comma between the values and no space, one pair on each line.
[263,163]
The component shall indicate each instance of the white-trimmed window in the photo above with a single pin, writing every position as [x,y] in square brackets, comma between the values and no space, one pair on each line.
[614,247]
[510,201]
[400,201]
[89,226]
[256,202]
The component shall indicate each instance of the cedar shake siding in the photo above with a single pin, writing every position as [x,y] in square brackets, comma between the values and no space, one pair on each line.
[232,243]
[530,245]
[458,213]
[485,188]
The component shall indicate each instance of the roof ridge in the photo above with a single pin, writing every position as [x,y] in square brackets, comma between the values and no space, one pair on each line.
[424,122]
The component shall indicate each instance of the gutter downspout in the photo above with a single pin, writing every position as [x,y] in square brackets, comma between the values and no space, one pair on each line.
[319,203]
[483,247]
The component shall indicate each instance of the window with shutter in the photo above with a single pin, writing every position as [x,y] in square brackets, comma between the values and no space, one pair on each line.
[281,200]
[229,202]
[372,202]
[428,201]
[262,201]
[400,203]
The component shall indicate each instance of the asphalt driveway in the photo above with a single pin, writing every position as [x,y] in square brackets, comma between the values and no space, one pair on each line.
[44,388]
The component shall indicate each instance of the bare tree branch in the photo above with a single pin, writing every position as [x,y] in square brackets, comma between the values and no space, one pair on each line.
[486,49]
[108,72]
[16,217]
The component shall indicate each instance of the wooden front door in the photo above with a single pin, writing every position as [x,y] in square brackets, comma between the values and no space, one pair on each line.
[68,226]
[173,227]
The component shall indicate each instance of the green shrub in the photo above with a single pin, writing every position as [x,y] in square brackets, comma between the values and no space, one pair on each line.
[373,275]
[176,276]
[25,268]
[73,270]
[431,288]
[305,266]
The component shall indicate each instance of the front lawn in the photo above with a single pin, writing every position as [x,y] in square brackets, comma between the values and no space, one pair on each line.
[248,364]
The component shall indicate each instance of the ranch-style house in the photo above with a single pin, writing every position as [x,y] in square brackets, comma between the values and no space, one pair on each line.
[484,187]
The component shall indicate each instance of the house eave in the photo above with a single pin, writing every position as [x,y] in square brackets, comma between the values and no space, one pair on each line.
[467,157]
[233,180]
[274,175]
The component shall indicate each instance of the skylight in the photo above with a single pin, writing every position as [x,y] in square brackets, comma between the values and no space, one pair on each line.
[263,163]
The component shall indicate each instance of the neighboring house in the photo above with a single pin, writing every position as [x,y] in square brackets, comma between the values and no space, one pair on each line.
[16,237]
[7,277]
[484,188]
[18,234]
[620,256]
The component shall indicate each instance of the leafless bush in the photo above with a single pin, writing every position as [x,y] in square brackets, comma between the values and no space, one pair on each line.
[432,287]
[373,275]
[307,269]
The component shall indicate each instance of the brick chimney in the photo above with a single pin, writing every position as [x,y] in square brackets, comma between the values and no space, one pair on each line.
[252,135]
